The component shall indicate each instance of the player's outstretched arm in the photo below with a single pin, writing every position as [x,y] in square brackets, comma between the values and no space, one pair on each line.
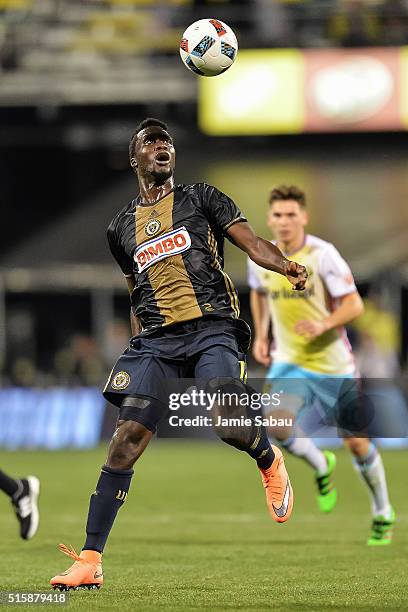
[266,254]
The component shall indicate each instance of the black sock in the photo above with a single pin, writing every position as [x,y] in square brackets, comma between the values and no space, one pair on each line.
[111,492]
[261,449]
[10,486]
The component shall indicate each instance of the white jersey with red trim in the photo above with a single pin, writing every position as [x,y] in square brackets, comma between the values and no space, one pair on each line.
[329,278]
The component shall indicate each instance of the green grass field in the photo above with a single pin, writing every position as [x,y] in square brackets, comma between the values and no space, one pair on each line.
[195,533]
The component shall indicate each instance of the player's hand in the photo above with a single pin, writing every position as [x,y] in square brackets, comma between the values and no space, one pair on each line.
[261,352]
[310,329]
[296,274]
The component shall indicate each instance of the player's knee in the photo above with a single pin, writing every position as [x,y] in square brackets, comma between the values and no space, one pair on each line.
[278,434]
[135,433]
[280,424]
[230,435]
[358,446]
[238,437]
[128,443]
[235,442]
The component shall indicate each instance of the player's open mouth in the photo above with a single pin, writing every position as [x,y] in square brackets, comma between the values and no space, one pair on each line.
[162,158]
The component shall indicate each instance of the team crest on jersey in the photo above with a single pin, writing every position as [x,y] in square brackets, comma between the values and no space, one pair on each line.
[120,381]
[152,227]
[169,244]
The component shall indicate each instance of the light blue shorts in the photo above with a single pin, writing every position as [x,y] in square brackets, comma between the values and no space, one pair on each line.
[316,400]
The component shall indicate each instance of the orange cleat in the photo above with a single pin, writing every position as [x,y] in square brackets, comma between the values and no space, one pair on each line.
[279,493]
[85,573]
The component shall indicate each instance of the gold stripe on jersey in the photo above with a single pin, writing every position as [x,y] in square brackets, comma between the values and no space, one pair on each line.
[108,381]
[232,293]
[243,375]
[130,281]
[173,291]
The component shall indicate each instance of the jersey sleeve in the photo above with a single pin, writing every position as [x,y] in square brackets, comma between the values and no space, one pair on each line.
[254,280]
[117,250]
[336,273]
[221,211]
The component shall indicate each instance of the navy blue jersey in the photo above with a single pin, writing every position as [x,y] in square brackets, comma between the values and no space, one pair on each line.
[174,250]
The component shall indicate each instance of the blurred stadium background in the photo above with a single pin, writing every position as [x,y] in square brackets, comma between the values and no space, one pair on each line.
[318,97]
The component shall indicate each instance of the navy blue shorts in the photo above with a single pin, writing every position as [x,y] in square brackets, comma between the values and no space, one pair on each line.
[202,348]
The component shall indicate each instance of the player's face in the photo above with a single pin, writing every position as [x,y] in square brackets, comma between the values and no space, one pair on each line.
[287,220]
[155,154]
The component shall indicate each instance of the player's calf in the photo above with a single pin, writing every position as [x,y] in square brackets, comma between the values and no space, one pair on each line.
[128,443]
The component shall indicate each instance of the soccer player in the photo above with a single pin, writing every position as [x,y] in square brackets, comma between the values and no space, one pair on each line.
[311,349]
[185,322]
[24,499]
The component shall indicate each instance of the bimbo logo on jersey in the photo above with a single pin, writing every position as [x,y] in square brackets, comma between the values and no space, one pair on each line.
[166,245]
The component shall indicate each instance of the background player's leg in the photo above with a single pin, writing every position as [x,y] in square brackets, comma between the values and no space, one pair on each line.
[323,463]
[354,416]
[9,485]
[307,450]
[296,397]
[24,494]
[369,465]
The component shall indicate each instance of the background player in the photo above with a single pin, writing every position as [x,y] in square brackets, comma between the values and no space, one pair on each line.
[24,498]
[169,244]
[311,346]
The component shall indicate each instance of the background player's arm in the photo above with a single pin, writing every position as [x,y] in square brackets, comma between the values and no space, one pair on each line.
[262,323]
[338,280]
[266,254]
[350,307]
[134,321]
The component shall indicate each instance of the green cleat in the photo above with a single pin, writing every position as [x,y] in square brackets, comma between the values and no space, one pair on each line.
[327,495]
[381,530]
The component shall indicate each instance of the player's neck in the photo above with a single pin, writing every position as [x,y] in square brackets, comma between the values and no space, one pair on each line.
[151,192]
[293,246]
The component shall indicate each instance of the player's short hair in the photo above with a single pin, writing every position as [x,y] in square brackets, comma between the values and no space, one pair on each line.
[288,192]
[148,122]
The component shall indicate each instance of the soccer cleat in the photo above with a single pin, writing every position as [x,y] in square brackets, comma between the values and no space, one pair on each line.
[327,493]
[85,573]
[381,530]
[26,507]
[279,493]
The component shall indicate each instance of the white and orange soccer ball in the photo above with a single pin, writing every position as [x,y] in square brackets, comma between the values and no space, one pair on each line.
[208,47]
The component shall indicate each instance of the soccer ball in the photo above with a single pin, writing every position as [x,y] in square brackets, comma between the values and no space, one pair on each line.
[208,47]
